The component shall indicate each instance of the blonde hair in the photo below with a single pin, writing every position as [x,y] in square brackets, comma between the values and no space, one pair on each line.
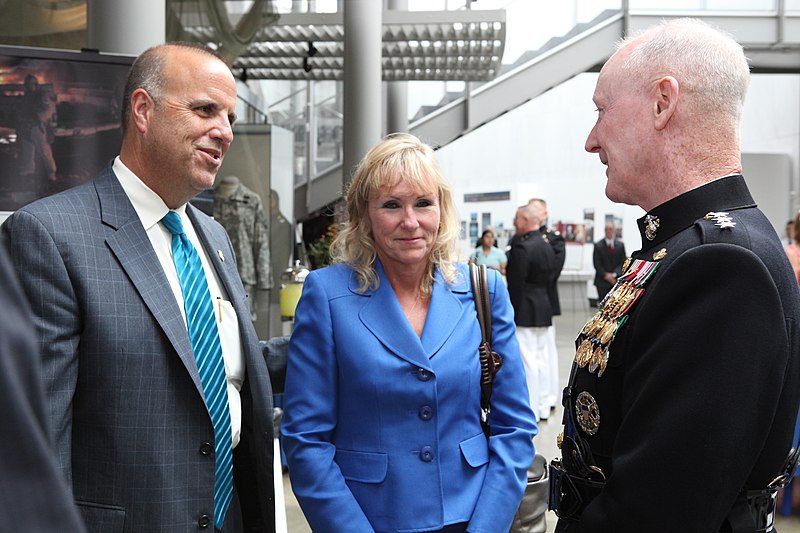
[398,157]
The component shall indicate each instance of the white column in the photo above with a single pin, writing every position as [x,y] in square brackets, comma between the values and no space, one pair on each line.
[125,26]
[397,91]
[363,39]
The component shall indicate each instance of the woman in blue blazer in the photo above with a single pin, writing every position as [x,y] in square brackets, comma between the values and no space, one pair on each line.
[382,403]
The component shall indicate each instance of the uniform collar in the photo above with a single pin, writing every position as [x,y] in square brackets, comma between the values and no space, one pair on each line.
[664,221]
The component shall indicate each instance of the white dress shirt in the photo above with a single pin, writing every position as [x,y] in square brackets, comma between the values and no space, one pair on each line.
[151,209]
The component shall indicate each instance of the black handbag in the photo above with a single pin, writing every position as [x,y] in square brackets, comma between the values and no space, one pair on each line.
[531,514]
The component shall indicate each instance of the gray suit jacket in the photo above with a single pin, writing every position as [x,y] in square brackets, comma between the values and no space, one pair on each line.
[125,401]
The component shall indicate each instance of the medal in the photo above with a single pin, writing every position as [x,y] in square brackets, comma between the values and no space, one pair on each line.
[583,353]
[596,336]
[587,413]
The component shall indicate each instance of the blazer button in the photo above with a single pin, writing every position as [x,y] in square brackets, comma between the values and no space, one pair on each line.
[423,375]
[205,448]
[426,412]
[204,521]
[426,454]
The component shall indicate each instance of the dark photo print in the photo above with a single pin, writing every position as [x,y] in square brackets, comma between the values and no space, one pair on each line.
[59,120]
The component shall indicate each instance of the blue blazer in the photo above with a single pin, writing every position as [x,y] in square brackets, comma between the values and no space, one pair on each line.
[382,427]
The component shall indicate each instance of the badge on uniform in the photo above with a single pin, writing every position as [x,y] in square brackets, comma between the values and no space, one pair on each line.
[587,413]
[594,339]
[651,224]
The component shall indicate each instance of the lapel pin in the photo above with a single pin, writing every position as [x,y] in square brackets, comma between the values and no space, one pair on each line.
[221,255]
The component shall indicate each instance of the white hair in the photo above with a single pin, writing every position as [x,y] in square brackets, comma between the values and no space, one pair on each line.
[709,65]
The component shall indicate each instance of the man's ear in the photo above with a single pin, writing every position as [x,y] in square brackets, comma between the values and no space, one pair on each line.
[142,106]
[667,91]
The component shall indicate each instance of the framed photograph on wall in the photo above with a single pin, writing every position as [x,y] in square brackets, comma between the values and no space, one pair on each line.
[59,119]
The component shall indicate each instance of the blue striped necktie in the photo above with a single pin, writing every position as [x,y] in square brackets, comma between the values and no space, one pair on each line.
[204,336]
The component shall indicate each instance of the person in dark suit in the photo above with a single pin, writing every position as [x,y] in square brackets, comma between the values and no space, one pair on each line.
[531,261]
[556,242]
[126,401]
[608,256]
[33,493]
[382,426]
[681,407]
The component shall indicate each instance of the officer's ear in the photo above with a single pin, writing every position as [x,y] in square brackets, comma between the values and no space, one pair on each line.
[666,101]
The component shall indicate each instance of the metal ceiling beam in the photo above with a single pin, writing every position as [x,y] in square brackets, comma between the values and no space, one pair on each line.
[417,45]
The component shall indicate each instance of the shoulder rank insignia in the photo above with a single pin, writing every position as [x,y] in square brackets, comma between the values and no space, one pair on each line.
[722,220]
[595,337]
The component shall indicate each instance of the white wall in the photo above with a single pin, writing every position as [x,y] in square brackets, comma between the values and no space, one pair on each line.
[771,125]
[537,150]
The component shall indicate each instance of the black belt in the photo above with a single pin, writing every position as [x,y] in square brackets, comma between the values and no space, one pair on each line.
[754,510]
[569,493]
[574,487]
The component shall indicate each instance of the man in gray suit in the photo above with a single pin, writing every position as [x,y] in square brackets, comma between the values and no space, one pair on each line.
[126,404]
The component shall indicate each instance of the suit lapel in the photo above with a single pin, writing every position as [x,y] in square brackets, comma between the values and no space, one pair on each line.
[130,244]
[220,255]
[215,250]
[383,316]
[445,313]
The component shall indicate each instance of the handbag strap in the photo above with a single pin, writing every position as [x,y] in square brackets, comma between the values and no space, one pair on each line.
[489,360]
[480,291]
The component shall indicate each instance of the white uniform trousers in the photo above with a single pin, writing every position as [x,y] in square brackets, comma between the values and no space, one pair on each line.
[533,347]
[553,389]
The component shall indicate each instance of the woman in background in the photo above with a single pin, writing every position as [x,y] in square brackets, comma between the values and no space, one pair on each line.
[382,405]
[487,253]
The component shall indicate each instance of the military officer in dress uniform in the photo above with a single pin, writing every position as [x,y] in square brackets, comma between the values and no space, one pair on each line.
[531,261]
[549,384]
[682,400]
[556,241]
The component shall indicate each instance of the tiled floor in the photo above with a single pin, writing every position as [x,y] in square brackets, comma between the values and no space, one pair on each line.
[567,326]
